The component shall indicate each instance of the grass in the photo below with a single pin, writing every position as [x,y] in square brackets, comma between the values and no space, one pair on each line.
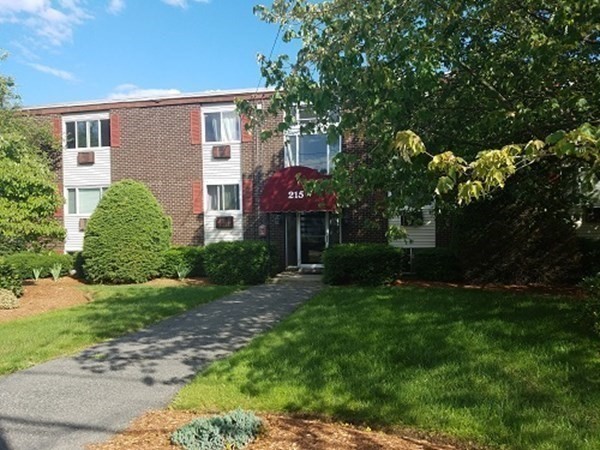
[501,370]
[116,310]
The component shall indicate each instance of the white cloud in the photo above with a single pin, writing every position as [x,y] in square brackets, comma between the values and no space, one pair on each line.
[182,3]
[50,19]
[115,6]
[63,74]
[131,91]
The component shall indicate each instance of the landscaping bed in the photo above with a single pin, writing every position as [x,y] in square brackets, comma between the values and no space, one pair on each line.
[152,432]
[47,295]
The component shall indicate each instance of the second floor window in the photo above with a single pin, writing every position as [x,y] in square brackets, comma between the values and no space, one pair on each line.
[87,133]
[223,197]
[311,150]
[222,126]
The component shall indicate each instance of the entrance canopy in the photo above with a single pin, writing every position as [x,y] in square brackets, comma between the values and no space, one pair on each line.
[283,192]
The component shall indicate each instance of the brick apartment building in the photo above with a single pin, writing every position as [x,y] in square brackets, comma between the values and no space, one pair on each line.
[216,180]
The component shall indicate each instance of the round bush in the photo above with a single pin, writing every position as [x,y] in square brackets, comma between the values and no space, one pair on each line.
[10,279]
[127,236]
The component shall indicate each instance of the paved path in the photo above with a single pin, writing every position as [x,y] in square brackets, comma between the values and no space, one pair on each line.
[70,402]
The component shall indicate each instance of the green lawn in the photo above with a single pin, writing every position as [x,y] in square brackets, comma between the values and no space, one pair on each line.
[116,310]
[502,370]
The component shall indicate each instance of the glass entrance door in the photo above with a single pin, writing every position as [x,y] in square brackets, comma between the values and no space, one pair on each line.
[308,235]
[313,237]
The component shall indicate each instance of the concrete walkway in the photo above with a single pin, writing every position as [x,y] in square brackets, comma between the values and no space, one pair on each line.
[70,402]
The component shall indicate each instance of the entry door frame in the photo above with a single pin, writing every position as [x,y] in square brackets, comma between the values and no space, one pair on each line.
[299,241]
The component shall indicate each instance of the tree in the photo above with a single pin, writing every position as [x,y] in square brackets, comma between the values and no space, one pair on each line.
[29,196]
[127,236]
[451,96]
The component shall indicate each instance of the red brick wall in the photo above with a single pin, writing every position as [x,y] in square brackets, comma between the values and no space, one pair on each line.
[155,148]
[260,159]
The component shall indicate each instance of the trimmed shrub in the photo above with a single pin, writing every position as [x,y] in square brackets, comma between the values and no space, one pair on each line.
[364,264]
[25,262]
[591,309]
[78,264]
[193,257]
[8,300]
[10,279]
[436,264]
[233,430]
[240,262]
[127,236]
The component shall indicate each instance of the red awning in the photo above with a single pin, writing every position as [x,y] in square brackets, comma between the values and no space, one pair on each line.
[284,193]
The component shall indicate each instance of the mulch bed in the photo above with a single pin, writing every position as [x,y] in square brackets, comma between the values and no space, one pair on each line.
[46,295]
[152,432]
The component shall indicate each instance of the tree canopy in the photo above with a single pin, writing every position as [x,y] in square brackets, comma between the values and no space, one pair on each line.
[451,96]
[29,196]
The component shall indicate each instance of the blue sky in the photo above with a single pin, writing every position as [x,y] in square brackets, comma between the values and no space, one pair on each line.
[77,50]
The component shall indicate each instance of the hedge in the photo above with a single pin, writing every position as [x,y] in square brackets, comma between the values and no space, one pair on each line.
[364,264]
[127,236]
[193,257]
[240,262]
[25,262]
[436,264]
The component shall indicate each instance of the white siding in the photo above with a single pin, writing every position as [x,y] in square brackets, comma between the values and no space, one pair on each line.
[418,237]
[76,176]
[74,239]
[212,234]
[94,175]
[218,172]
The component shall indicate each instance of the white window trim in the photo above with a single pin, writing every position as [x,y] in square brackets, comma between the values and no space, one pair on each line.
[77,188]
[81,118]
[222,183]
[219,109]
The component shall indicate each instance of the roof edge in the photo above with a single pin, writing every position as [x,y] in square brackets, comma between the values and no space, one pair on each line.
[210,96]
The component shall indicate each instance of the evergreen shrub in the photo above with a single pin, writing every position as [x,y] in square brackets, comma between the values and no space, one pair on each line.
[436,264]
[233,430]
[10,279]
[174,257]
[8,300]
[127,236]
[364,264]
[240,262]
[25,262]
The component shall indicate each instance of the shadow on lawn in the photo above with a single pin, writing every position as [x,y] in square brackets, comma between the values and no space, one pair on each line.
[511,368]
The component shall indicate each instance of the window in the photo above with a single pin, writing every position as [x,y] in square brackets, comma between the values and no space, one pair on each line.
[223,197]
[222,126]
[84,200]
[87,133]
[312,150]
